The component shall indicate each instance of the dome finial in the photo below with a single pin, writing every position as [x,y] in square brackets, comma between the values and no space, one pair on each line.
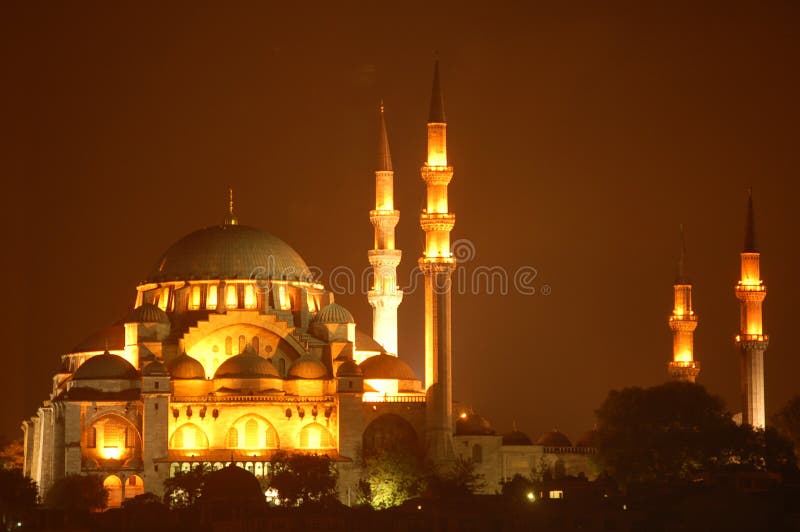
[230,219]
[384,155]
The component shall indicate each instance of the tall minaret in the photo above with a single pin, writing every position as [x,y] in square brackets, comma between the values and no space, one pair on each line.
[437,264]
[751,338]
[385,295]
[683,322]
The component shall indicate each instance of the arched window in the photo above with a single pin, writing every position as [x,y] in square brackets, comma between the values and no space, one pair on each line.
[254,343]
[133,486]
[228,345]
[231,301]
[113,484]
[211,297]
[251,434]
[189,436]
[233,438]
[272,438]
[163,298]
[477,454]
[242,343]
[194,300]
[249,296]
[91,438]
[315,436]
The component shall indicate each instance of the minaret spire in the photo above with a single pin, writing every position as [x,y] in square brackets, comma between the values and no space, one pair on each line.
[437,264]
[385,295]
[683,322]
[751,292]
[750,226]
[230,218]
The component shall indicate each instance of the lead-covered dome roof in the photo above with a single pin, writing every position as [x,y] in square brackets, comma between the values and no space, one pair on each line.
[385,366]
[186,367]
[472,424]
[147,313]
[229,252]
[246,365]
[334,313]
[308,367]
[554,438]
[105,366]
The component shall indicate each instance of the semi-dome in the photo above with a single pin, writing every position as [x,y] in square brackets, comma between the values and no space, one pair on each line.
[105,366]
[589,439]
[147,313]
[334,313]
[246,365]
[308,367]
[229,252]
[186,367]
[554,438]
[516,437]
[154,369]
[231,483]
[472,424]
[349,369]
[385,366]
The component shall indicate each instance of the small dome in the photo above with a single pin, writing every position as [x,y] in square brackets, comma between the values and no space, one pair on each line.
[516,437]
[589,439]
[147,313]
[105,366]
[154,369]
[349,369]
[334,313]
[231,483]
[246,365]
[186,367]
[308,367]
[385,366]
[554,438]
[472,424]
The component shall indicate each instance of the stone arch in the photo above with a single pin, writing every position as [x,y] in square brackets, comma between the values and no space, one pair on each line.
[134,485]
[252,431]
[389,433]
[113,485]
[315,436]
[189,436]
[112,436]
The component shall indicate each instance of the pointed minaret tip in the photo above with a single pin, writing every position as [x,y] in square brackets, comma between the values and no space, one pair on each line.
[750,225]
[436,114]
[384,154]
[230,218]
[680,276]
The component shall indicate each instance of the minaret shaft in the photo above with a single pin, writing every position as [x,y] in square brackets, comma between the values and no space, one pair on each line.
[385,295]
[683,322]
[437,265]
[751,292]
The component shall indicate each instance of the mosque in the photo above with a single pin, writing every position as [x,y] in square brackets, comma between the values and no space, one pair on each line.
[233,352]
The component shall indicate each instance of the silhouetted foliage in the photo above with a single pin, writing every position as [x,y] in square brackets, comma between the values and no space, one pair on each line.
[184,489]
[77,495]
[458,481]
[303,479]
[18,495]
[518,488]
[12,455]
[676,430]
[787,420]
[146,512]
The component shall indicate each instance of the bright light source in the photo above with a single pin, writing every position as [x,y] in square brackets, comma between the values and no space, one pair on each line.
[111,453]
[463,415]
[531,496]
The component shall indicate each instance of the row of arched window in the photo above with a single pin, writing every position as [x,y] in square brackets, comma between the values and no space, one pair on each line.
[252,432]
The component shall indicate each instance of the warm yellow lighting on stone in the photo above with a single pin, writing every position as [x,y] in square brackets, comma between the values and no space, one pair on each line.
[111,453]
[211,296]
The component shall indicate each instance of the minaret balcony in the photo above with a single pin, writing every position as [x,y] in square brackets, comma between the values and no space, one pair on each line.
[437,221]
[437,175]
[751,292]
[384,220]
[752,338]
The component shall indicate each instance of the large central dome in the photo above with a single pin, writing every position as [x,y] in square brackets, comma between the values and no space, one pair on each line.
[229,252]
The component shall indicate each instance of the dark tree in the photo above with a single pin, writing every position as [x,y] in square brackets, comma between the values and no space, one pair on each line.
[183,489]
[518,488]
[303,479]
[18,495]
[77,495]
[674,431]
[12,454]
[787,419]
[146,512]
[458,481]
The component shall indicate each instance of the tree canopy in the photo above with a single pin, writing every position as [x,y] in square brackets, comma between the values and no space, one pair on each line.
[184,488]
[676,430]
[304,478]
[78,494]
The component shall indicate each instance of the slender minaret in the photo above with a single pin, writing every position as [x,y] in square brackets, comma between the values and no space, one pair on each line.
[683,322]
[751,338]
[230,218]
[385,295]
[437,265]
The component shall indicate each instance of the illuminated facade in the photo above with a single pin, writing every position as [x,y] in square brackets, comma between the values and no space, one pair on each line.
[683,322]
[752,342]
[232,352]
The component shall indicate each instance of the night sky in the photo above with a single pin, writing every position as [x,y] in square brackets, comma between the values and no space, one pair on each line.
[581,138]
